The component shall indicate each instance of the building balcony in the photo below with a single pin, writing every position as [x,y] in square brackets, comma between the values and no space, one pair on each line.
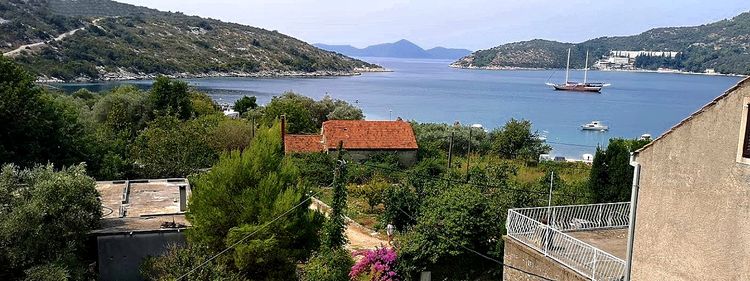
[589,240]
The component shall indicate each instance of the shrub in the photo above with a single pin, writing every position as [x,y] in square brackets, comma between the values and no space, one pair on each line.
[373,192]
[333,265]
[379,263]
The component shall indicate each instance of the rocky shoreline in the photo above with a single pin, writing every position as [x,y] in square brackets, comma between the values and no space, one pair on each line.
[123,75]
[453,65]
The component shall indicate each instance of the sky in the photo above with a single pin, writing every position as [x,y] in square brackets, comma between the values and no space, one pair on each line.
[471,24]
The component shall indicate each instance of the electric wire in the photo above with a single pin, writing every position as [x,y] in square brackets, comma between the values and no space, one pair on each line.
[246,237]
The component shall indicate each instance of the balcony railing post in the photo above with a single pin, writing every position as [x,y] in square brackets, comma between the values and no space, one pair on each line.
[593,270]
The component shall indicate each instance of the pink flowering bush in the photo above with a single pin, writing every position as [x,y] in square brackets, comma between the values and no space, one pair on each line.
[379,263]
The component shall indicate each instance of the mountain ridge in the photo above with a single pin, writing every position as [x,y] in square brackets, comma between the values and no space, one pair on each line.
[723,45]
[400,49]
[131,42]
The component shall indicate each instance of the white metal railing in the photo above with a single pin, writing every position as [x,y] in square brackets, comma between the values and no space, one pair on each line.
[543,229]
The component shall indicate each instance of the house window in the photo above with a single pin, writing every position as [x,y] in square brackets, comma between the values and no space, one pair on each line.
[746,138]
[743,151]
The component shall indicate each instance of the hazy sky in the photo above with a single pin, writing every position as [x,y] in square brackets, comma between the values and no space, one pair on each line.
[472,24]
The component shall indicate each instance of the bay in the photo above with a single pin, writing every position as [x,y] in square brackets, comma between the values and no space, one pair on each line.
[430,91]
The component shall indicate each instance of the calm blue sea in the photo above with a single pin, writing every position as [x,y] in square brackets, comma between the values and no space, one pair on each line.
[430,91]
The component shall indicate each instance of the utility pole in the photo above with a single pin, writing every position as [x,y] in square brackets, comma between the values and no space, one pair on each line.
[549,201]
[468,156]
[450,150]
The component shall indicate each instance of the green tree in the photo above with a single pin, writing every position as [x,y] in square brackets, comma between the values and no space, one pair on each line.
[230,134]
[172,148]
[306,115]
[39,127]
[457,218]
[372,191]
[171,97]
[333,229]
[125,109]
[244,104]
[202,104]
[516,140]
[298,117]
[332,262]
[611,175]
[401,206]
[238,201]
[330,265]
[178,261]
[45,218]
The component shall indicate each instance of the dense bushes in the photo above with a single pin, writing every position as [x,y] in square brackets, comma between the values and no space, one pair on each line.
[45,219]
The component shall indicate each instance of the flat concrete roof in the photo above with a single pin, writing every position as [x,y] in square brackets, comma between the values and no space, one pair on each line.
[612,241]
[141,205]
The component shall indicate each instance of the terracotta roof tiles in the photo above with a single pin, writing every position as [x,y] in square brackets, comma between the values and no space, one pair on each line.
[302,143]
[369,135]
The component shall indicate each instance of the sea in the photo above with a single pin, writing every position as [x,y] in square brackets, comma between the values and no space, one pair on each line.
[426,90]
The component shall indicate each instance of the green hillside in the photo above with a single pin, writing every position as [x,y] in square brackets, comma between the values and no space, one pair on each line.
[722,45]
[123,41]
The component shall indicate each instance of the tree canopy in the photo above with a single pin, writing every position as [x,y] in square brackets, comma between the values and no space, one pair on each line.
[45,218]
[611,175]
[242,193]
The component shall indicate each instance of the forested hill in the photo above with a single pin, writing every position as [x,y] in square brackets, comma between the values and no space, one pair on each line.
[102,39]
[722,45]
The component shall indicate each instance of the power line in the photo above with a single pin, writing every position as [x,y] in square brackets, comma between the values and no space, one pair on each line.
[572,144]
[245,238]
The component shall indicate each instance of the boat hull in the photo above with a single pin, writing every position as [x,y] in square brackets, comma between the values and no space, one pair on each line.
[578,88]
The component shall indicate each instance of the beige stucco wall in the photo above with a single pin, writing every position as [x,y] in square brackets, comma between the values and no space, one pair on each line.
[522,257]
[693,216]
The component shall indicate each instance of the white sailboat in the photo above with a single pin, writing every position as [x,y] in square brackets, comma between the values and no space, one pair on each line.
[576,86]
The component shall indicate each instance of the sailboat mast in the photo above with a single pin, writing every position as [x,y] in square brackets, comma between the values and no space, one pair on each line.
[586,70]
[567,68]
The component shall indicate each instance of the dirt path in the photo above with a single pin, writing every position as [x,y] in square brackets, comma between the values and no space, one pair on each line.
[18,50]
[359,236]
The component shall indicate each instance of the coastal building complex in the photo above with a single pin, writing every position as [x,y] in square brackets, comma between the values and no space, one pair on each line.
[687,219]
[360,138]
[140,218]
[625,60]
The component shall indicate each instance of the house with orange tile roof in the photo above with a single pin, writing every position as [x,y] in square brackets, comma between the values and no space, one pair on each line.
[360,139]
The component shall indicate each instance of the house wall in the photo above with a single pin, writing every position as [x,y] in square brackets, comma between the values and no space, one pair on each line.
[406,158]
[520,256]
[693,216]
[120,255]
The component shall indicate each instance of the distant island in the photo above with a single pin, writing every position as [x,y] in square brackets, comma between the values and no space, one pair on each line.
[399,49]
[94,40]
[719,47]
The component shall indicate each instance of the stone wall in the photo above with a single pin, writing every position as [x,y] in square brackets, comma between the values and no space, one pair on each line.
[520,256]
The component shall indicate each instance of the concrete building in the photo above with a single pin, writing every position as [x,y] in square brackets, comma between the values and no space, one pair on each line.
[693,204]
[361,139]
[141,218]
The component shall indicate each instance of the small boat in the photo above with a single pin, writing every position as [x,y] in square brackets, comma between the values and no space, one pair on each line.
[594,126]
[577,86]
